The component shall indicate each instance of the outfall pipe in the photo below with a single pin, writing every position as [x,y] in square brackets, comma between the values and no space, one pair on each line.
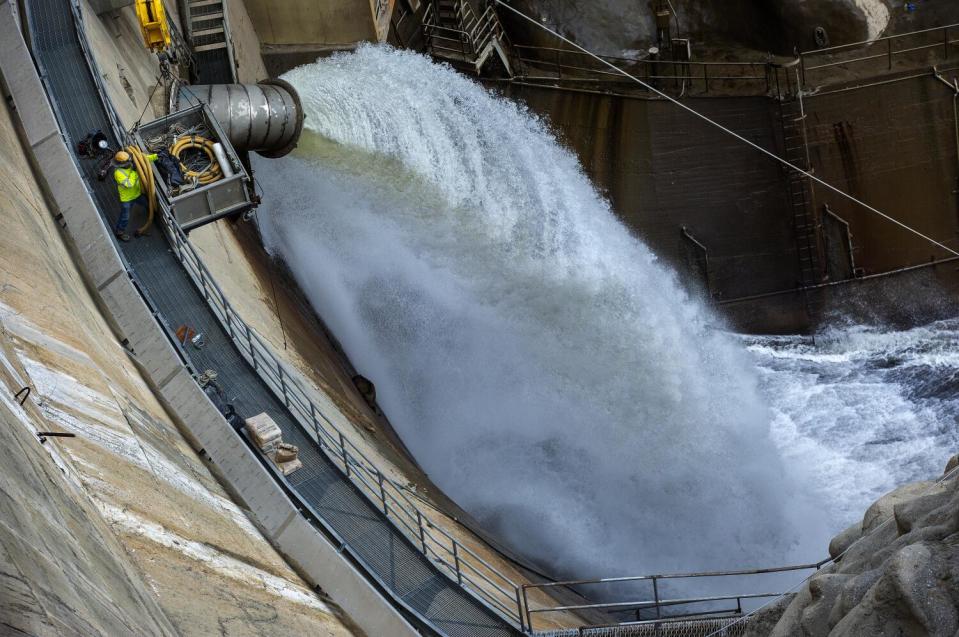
[266,118]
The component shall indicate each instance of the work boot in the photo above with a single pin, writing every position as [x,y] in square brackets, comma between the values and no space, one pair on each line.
[122,236]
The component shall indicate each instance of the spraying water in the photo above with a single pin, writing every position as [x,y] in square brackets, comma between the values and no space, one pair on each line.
[864,409]
[542,367]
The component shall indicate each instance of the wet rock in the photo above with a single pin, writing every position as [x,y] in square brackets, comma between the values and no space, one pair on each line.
[909,599]
[762,623]
[779,26]
[952,464]
[897,579]
[882,509]
[844,540]
[824,590]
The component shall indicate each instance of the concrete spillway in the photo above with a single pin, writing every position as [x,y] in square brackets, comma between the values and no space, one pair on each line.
[392,565]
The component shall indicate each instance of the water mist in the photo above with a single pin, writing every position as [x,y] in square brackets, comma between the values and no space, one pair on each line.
[544,369]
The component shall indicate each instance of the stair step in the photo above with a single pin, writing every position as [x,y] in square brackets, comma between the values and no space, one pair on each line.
[204,3]
[200,17]
[209,47]
[212,31]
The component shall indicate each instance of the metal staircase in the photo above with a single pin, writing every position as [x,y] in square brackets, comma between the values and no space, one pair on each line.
[207,30]
[455,34]
[806,221]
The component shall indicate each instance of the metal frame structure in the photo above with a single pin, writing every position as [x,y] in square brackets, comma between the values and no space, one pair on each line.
[475,40]
[663,608]
[864,54]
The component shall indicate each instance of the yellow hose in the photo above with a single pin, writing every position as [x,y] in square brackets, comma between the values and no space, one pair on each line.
[211,174]
[148,185]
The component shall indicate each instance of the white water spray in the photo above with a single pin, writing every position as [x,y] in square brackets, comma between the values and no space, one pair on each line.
[543,368]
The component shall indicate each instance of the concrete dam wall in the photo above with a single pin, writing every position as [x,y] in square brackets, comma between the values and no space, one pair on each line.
[891,144]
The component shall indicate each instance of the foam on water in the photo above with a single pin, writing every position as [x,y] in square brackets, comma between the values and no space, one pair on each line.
[543,368]
[864,410]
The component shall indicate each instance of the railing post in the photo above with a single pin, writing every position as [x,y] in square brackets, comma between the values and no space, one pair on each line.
[249,343]
[279,372]
[706,76]
[379,478]
[656,597]
[229,319]
[419,523]
[529,615]
[889,48]
[519,610]
[946,38]
[206,293]
[456,563]
[316,424]
[346,464]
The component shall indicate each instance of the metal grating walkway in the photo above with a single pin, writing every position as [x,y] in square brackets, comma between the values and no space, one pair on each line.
[386,555]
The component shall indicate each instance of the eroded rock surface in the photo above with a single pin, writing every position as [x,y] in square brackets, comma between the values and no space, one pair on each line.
[897,572]
[613,27]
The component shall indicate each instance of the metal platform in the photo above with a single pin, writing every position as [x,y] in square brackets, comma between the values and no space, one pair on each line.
[412,581]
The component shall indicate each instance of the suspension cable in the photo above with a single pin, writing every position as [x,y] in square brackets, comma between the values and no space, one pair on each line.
[728,131]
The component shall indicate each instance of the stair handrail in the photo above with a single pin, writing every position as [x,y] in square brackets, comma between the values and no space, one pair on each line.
[475,31]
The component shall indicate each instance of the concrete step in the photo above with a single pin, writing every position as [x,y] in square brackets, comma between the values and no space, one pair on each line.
[200,17]
[209,47]
[212,31]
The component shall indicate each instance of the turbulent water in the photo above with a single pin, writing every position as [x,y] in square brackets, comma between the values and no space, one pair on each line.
[542,367]
[864,410]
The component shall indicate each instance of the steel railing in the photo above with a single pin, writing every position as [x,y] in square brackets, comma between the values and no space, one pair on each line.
[551,64]
[457,561]
[498,592]
[663,609]
[470,37]
[868,57]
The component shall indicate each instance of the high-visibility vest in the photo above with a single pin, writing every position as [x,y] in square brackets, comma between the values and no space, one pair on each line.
[128,183]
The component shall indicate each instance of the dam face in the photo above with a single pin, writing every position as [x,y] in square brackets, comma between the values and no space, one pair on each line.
[510,316]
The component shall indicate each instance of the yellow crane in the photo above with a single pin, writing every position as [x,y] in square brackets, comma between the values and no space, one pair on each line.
[153,24]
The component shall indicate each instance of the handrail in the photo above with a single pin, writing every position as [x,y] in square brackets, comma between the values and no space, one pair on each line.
[468,569]
[475,33]
[571,65]
[656,603]
[945,44]
[897,36]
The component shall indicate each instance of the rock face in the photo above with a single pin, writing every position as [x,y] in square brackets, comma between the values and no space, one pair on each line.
[613,27]
[897,573]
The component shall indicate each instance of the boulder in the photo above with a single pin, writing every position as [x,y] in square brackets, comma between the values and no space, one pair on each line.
[951,465]
[882,509]
[909,599]
[824,590]
[895,579]
[844,540]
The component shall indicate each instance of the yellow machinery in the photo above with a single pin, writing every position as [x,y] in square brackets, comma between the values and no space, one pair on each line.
[153,24]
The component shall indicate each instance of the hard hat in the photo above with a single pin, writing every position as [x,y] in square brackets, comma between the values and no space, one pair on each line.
[122,156]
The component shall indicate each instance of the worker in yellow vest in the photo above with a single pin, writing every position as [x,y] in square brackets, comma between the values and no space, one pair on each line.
[128,187]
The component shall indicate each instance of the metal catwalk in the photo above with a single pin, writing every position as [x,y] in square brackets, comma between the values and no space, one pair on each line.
[436,602]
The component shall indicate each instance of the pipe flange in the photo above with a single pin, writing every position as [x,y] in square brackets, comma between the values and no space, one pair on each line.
[300,117]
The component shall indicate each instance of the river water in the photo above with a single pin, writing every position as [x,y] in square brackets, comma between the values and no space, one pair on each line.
[547,371]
